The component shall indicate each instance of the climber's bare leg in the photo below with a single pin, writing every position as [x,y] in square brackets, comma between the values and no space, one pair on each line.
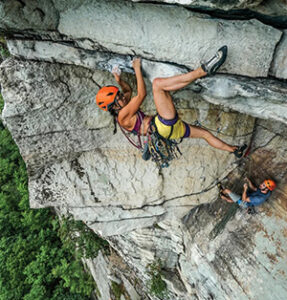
[223,197]
[177,82]
[197,132]
[162,87]
[226,191]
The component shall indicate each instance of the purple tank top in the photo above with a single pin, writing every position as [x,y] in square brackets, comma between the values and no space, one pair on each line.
[140,117]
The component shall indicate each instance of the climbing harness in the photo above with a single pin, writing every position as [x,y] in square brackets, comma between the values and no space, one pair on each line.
[161,150]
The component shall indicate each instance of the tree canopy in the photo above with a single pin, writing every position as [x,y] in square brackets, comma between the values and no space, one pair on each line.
[37,254]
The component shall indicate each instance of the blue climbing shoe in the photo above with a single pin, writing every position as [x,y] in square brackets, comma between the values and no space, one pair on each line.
[212,65]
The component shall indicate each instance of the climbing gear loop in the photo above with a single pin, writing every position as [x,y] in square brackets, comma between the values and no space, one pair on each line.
[154,146]
[162,150]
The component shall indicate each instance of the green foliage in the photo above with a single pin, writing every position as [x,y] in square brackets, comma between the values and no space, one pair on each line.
[1,104]
[87,243]
[157,286]
[117,290]
[74,278]
[34,263]
[4,52]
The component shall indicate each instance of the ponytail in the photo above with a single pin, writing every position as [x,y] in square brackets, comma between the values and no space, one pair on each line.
[114,113]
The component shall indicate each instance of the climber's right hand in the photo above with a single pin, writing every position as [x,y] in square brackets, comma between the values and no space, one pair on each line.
[137,63]
[116,71]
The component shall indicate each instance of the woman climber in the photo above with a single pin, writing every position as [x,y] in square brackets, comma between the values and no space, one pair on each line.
[126,110]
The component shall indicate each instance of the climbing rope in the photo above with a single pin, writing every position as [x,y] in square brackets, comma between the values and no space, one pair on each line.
[218,118]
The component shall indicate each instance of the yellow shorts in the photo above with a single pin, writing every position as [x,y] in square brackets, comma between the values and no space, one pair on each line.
[164,127]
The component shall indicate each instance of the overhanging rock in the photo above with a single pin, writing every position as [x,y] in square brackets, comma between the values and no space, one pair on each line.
[217,4]
[156,32]
[171,34]
[262,98]
[68,54]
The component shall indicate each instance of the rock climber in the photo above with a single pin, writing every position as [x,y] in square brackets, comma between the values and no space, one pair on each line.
[126,109]
[254,197]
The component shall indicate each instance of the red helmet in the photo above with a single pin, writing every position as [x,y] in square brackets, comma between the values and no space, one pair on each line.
[106,97]
[270,184]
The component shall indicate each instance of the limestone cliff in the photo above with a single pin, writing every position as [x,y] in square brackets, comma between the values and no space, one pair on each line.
[63,51]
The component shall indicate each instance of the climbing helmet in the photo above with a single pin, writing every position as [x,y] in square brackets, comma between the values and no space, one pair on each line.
[270,184]
[106,96]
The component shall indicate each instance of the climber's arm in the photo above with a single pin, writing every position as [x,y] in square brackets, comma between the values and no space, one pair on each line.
[250,184]
[133,106]
[244,194]
[126,89]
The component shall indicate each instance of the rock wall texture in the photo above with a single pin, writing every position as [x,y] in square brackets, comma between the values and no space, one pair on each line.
[63,51]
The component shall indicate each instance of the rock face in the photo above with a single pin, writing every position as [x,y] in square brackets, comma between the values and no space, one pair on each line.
[28,16]
[196,35]
[271,12]
[217,4]
[278,68]
[168,23]
[209,249]
[69,156]
[264,98]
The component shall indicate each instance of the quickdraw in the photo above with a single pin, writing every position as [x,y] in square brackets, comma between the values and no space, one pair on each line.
[162,150]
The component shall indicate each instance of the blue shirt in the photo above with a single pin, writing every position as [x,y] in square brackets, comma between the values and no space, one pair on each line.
[256,198]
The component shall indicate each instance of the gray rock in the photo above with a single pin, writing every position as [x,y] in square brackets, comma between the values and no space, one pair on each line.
[130,290]
[162,27]
[99,270]
[74,160]
[275,8]
[75,164]
[77,23]
[261,98]
[246,243]
[271,8]
[278,67]
[145,246]
[68,54]
[270,12]
[28,16]
[215,4]
[217,245]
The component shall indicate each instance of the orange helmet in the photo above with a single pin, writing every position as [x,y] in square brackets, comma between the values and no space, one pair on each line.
[270,184]
[106,97]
